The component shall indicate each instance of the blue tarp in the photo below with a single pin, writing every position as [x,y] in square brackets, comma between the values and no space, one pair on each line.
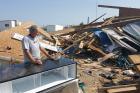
[102,36]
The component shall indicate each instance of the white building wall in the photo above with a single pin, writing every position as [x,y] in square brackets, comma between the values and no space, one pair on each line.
[13,23]
[58,27]
[7,24]
[51,28]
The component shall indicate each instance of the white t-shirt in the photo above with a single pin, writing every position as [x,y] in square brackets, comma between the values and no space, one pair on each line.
[32,45]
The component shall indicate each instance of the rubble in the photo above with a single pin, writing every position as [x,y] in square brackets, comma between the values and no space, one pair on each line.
[106,55]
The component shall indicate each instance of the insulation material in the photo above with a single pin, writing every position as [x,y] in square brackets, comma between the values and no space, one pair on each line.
[17,36]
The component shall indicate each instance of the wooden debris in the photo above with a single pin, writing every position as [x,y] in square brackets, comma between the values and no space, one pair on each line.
[121,90]
[106,57]
[97,49]
[81,36]
[44,33]
[107,22]
[135,59]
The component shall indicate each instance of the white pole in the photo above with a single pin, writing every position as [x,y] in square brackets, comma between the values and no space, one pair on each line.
[96,7]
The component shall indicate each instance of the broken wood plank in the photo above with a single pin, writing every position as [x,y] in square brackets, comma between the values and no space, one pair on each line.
[135,59]
[106,57]
[122,22]
[125,18]
[126,89]
[119,86]
[107,22]
[56,41]
[97,19]
[137,67]
[97,49]
[74,43]
[44,33]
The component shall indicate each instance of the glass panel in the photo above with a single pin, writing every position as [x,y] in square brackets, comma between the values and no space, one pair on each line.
[48,79]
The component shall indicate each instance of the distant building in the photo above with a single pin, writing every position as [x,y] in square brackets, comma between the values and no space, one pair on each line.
[6,24]
[50,28]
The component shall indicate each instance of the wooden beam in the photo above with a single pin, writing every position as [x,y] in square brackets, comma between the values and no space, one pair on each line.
[106,57]
[126,89]
[44,33]
[119,86]
[97,49]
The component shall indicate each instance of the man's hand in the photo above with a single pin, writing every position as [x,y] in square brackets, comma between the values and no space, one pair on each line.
[56,56]
[38,61]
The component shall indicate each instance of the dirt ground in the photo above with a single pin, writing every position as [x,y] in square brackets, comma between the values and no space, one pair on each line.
[89,74]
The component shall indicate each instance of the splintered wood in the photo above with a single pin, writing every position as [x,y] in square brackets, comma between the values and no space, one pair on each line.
[97,49]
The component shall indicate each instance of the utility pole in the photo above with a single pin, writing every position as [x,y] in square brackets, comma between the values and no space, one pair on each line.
[88,20]
[96,7]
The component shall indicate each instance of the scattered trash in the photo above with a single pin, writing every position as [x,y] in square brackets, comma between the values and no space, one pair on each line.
[108,75]
[88,71]
[128,72]
[88,60]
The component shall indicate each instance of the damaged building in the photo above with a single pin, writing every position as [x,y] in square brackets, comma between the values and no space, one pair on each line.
[98,57]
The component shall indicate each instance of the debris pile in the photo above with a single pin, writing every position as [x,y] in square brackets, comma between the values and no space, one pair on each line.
[103,53]
[107,53]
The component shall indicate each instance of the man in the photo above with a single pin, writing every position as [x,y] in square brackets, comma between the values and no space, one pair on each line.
[32,48]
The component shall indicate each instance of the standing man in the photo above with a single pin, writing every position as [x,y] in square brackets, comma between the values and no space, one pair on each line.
[32,48]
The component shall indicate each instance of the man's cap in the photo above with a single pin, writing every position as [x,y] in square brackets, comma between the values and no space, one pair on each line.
[33,28]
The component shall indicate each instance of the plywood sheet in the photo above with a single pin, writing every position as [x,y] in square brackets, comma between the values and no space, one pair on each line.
[135,59]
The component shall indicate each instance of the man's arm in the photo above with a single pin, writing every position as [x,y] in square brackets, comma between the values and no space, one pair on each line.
[29,55]
[45,52]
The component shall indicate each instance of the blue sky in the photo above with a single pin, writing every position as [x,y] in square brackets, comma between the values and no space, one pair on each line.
[63,12]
